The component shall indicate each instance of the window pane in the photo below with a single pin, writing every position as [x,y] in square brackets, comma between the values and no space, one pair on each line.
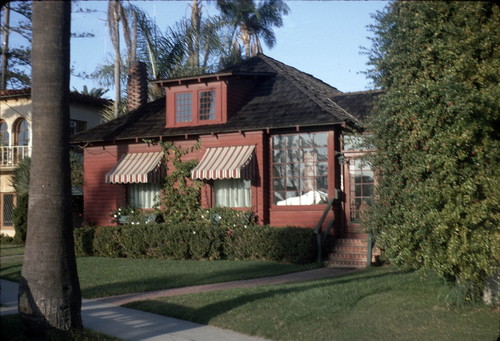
[300,162]
[321,140]
[183,107]
[207,105]
[4,132]
[361,188]
[8,209]
[142,195]
[232,193]
[23,133]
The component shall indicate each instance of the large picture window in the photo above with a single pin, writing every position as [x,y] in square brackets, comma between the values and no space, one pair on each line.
[142,195]
[300,169]
[232,193]
[361,182]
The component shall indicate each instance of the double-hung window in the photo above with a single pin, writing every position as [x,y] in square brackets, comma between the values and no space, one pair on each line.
[184,107]
[232,193]
[142,195]
[195,106]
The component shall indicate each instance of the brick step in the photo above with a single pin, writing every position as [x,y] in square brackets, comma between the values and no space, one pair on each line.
[346,264]
[350,249]
[350,242]
[359,236]
[347,256]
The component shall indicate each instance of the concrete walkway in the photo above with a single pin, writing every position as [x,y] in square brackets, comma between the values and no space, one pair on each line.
[106,316]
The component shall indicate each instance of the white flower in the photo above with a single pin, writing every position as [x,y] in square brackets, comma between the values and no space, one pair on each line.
[202,216]
[115,216]
[132,223]
[194,232]
[245,226]
[119,209]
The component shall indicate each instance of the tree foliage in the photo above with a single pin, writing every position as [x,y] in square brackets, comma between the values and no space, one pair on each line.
[436,132]
[17,59]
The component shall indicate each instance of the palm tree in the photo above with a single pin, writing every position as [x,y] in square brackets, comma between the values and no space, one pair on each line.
[49,291]
[252,22]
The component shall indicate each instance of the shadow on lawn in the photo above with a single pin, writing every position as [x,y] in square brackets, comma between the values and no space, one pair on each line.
[183,279]
[205,314]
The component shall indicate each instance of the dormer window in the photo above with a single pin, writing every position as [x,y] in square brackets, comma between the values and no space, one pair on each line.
[184,107]
[207,105]
[196,104]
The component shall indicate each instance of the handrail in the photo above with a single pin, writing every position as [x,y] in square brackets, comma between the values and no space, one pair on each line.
[320,236]
[323,217]
[12,155]
[371,243]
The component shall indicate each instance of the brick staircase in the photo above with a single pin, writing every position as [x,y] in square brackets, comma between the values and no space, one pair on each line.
[349,252]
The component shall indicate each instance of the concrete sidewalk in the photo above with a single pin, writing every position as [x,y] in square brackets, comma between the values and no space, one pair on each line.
[106,316]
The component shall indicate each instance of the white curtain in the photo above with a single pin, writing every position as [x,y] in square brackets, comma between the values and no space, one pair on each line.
[142,195]
[232,193]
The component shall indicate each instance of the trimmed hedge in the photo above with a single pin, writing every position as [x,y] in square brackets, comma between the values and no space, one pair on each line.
[208,241]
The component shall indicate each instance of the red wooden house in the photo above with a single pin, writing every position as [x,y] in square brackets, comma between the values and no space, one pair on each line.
[271,142]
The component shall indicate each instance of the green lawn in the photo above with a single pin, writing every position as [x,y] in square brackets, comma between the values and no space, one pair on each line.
[101,277]
[374,304]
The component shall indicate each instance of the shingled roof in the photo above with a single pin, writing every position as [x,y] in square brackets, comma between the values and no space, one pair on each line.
[283,97]
[359,104]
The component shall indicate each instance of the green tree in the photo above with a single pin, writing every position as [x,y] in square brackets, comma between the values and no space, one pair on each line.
[21,182]
[16,61]
[49,291]
[253,21]
[436,131]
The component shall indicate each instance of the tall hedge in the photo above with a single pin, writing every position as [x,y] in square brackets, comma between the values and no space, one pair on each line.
[436,131]
[203,241]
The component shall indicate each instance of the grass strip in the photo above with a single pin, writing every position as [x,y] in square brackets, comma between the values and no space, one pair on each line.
[102,277]
[373,304]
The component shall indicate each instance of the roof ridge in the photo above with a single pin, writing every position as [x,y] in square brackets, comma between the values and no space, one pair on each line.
[329,103]
[361,92]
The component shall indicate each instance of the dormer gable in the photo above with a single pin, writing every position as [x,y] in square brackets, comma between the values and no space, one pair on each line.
[207,99]
[193,101]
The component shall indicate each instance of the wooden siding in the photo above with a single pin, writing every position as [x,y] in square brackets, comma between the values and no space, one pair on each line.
[101,198]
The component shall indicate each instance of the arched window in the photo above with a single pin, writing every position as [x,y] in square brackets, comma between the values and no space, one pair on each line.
[4,134]
[22,133]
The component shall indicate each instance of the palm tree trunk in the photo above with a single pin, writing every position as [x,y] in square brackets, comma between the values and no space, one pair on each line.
[49,291]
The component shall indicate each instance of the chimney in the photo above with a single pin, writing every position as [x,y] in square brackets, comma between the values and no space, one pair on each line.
[137,85]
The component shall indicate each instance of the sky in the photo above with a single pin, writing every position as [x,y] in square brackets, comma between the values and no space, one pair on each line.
[322,38]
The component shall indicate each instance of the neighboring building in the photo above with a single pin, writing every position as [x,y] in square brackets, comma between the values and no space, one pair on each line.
[271,142]
[15,135]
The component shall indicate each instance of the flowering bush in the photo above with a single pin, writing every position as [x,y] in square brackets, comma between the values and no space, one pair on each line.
[131,215]
[226,217]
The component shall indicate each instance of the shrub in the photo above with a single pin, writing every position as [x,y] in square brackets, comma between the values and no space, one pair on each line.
[84,237]
[206,240]
[20,218]
[5,239]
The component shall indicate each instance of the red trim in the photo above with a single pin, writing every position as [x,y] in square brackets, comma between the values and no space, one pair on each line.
[220,89]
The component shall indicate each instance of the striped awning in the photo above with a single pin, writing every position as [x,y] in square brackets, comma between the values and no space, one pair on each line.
[226,163]
[137,168]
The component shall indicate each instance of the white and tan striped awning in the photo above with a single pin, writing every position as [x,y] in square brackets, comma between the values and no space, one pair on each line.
[226,163]
[137,168]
